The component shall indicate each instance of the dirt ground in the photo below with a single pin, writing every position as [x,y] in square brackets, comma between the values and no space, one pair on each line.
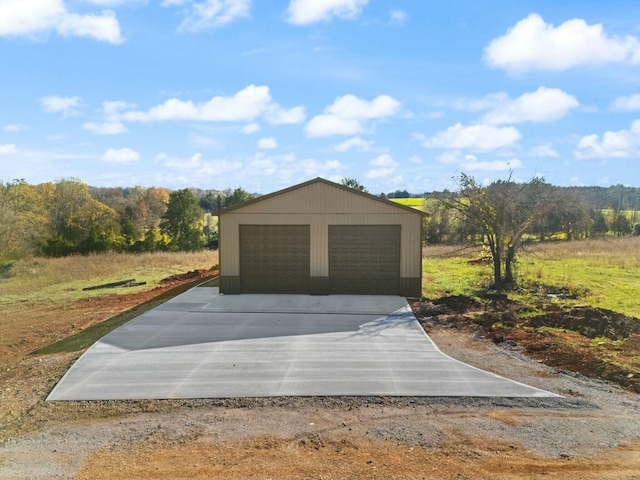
[591,433]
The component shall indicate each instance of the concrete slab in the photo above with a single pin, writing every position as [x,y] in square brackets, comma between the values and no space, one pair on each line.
[205,345]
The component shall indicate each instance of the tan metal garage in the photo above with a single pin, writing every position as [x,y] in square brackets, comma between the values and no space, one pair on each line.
[320,237]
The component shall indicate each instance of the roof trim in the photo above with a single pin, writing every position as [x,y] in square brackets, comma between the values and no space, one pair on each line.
[326,182]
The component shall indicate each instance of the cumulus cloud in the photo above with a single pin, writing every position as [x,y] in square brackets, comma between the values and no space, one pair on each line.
[471,164]
[385,166]
[267,143]
[65,105]
[123,155]
[543,105]
[112,124]
[304,12]
[618,144]
[532,44]
[105,128]
[35,18]
[347,115]
[474,137]
[209,13]
[250,128]
[247,105]
[7,149]
[198,167]
[626,104]
[545,150]
[354,143]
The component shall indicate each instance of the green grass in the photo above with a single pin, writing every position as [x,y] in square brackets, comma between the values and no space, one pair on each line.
[447,271]
[606,273]
[56,280]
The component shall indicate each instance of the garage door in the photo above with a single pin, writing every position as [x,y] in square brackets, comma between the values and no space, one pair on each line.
[274,259]
[364,259]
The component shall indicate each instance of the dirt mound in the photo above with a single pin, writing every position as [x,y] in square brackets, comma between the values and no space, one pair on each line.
[195,274]
[590,322]
[561,337]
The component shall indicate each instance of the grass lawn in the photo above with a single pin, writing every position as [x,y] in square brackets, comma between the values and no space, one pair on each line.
[602,273]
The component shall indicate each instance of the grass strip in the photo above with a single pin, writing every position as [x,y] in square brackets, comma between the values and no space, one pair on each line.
[92,334]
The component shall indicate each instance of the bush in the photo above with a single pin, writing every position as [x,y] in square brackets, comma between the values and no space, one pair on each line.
[5,268]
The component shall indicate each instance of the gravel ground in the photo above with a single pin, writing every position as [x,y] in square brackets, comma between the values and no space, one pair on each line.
[594,431]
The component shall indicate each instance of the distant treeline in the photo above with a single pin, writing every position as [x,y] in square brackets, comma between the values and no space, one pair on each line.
[69,217]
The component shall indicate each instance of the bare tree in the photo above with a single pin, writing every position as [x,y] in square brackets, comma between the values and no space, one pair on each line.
[502,214]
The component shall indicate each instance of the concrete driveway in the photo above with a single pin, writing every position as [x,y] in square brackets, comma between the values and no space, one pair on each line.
[205,345]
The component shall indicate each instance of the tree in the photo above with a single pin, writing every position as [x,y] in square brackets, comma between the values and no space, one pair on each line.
[502,213]
[77,222]
[182,221]
[353,183]
[237,196]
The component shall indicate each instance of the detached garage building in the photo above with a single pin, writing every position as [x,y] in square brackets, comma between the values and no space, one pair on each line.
[320,238]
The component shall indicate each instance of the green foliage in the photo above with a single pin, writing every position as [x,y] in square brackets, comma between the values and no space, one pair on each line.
[236,197]
[182,222]
[353,183]
[5,268]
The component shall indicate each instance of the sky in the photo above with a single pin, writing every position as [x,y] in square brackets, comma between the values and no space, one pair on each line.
[398,94]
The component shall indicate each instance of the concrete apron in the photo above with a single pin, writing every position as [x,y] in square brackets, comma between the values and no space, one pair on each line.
[205,345]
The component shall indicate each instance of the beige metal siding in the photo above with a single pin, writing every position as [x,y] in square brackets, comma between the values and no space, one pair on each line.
[321,198]
[410,253]
[319,205]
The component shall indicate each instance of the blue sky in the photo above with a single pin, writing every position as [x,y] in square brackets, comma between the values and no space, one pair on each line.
[266,94]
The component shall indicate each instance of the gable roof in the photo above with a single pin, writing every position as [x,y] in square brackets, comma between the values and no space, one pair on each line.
[325,182]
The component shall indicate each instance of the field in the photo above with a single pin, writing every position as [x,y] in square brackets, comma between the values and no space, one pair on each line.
[533,336]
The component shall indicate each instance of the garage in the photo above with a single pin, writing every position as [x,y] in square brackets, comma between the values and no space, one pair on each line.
[320,238]
[274,259]
[364,259]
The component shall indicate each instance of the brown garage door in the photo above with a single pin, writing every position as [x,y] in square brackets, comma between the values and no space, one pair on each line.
[274,258]
[364,259]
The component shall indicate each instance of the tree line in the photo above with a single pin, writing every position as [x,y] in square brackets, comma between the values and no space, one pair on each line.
[68,217]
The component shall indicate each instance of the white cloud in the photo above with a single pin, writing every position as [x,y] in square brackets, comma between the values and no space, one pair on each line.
[123,155]
[247,105]
[16,127]
[65,105]
[35,18]
[626,104]
[8,149]
[472,165]
[545,150]
[304,12]
[210,13]
[267,143]
[543,105]
[106,128]
[474,137]
[354,143]
[532,44]
[346,116]
[196,167]
[250,128]
[385,166]
[115,3]
[397,17]
[618,144]
[278,116]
